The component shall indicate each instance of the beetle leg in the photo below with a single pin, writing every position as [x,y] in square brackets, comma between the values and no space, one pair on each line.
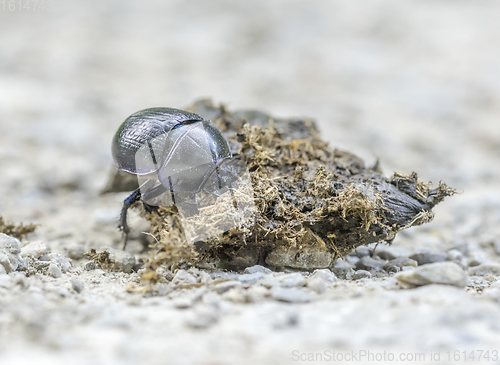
[123,226]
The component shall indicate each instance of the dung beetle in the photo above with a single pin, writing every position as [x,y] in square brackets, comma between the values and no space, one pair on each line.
[172,151]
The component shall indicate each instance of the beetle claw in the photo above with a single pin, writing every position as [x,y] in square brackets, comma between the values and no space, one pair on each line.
[123,226]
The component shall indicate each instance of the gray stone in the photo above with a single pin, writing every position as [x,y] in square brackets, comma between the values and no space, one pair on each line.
[397,264]
[63,262]
[362,251]
[407,268]
[34,249]
[10,249]
[44,258]
[54,271]
[77,285]
[360,274]
[251,278]
[391,252]
[182,277]
[257,268]
[428,257]
[437,273]
[369,263]
[485,269]
[353,260]
[291,295]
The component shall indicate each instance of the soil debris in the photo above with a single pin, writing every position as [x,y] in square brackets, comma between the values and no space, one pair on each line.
[18,231]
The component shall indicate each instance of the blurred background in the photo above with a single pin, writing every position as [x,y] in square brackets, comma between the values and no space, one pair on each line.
[414,83]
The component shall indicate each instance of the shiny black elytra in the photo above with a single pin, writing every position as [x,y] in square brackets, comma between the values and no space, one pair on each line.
[172,150]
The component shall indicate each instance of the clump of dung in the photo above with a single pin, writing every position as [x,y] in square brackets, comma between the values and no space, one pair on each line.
[18,231]
[312,204]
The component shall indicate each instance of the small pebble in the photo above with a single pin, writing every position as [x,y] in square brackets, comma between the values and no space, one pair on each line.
[437,273]
[54,271]
[291,295]
[63,293]
[363,251]
[360,274]
[77,285]
[343,264]
[390,252]
[353,260]
[63,262]
[182,277]
[324,274]
[369,263]
[257,268]
[423,257]
[10,249]
[397,264]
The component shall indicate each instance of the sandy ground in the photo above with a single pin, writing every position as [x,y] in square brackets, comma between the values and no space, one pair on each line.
[413,83]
